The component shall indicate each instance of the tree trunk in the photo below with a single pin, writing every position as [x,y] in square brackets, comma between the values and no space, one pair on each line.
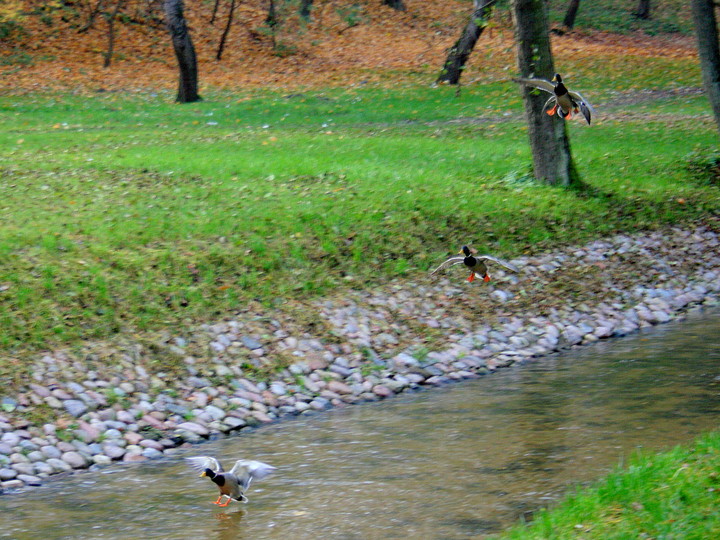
[221,47]
[305,6]
[552,159]
[111,34]
[395,4]
[184,51]
[643,10]
[460,52]
[709,51]
[570,14]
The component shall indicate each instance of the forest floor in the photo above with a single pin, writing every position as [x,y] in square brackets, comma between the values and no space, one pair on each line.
[336,48]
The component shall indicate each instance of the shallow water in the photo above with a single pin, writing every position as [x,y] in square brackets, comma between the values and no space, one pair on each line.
[449,463]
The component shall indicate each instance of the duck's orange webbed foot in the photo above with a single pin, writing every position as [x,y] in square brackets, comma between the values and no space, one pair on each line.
[218,500]
[552,111]
[226,502]
[472,277]
[486,278]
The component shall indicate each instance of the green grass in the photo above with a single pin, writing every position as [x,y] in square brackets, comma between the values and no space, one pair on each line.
[669,495]
[129,213]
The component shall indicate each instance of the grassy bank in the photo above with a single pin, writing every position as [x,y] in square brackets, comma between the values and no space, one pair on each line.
[669,495]
[128,213]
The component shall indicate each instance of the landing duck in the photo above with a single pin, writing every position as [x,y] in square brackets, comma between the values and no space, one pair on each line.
[476,264]
[234,483]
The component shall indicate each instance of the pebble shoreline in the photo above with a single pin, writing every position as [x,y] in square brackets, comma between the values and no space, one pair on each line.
[367,346]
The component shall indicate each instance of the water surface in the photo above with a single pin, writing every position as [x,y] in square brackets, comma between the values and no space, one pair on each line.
[450,463]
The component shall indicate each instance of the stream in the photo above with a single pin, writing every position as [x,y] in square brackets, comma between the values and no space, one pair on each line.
[461,461]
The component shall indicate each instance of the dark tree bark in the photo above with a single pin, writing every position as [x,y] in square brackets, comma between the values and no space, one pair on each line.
[460,52]
[214,12]
[94,12]
[221,46]
[305,7]
[184,51]
[395,4]
[272,19]
[111,33]
[570,14]
[552,159]
[709,51]
[643,10]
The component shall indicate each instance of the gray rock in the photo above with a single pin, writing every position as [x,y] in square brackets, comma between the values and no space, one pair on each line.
[75,459]
[43,468]
[7,474]
[250,342]
[58,465]
[11,439]
[5,449]
[24,468]
[29,479]
[194,428]
[75,407]
[113,451]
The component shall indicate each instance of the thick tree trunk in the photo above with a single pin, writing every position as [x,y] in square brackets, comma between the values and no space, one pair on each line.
[570,14]
[184,51]
[395,4]
[221,46]
[707,36]
[552,159]
[460,52]
[643,10]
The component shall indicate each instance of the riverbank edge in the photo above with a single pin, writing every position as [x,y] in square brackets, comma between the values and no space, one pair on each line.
[669,494]
[134,402]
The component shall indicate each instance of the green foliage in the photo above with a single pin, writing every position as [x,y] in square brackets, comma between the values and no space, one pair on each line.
[669,495]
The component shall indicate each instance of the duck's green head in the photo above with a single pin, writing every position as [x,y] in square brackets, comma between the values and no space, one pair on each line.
[466,251]
[557,78]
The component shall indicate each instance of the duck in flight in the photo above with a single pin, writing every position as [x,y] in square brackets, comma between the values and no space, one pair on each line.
[564,101]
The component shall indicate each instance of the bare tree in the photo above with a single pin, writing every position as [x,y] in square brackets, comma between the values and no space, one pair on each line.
[221,46]
[570,14]
[552,159]
[709,51]
[94,12]
[214,12]
[184,51]
[111,33]
[460,52]
[643,10]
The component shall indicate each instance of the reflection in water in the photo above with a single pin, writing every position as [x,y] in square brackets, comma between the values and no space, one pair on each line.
[451,463]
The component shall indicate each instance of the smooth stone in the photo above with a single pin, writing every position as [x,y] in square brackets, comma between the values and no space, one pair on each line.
[101,459]
[75,407]
[194,428]
[29,479]
[113,451]
[58,465]
[24,468]
[75,460]
[7,474]
[11,439]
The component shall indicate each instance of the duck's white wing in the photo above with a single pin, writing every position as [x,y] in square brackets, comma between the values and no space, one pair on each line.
[452,261]
[201,463]
[506,264]
[540,84]
[585,108]
[247,470]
